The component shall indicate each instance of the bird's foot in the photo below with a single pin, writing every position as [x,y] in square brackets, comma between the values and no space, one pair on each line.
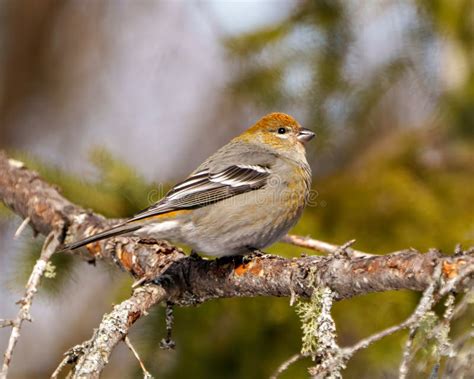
[254,253]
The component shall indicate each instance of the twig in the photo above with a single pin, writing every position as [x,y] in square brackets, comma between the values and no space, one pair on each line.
[461,341]
[461,362]
[49,247]
[146,373]
[321,246]
[60,367]
[460,308]
[452,284]
[71,357]
[344,250]
[22,227]
[406,358]
[366,342]
[285,365]
[425,303]
[5,323]
[441,333]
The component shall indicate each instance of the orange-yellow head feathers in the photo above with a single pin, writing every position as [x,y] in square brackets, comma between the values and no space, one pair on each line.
[278,131]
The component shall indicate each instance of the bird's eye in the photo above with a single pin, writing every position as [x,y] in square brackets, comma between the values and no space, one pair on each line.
[281,130]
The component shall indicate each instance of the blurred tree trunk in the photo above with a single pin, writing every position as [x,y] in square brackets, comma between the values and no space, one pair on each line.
[26,34]
[42,44]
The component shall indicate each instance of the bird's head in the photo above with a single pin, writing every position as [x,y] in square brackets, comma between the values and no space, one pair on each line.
[279,132]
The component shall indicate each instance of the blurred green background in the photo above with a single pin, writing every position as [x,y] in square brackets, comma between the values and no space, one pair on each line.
[113,101]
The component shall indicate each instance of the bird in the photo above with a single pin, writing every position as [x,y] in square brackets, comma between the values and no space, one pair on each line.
[243,198]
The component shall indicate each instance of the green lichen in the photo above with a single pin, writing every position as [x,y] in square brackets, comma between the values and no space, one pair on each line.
[50,271]
[319,333]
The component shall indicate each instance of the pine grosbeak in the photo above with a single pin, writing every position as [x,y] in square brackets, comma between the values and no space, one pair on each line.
[243,198]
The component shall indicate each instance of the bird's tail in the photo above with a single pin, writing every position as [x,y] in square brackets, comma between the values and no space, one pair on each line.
[112,232]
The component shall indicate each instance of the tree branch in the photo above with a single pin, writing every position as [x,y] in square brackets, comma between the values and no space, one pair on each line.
[114,328]
[49,247]
[187,280]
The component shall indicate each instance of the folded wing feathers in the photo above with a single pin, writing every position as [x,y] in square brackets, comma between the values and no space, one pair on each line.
[198,177]
[234,176]
[204,188]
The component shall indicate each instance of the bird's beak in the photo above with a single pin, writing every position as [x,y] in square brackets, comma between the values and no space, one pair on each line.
[305,135]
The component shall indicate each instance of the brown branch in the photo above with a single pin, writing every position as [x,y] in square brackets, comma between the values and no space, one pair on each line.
[29,196]
[185,280]
[286,364]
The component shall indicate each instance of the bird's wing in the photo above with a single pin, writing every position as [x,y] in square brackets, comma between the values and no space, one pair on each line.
[202,188]
[205,187]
